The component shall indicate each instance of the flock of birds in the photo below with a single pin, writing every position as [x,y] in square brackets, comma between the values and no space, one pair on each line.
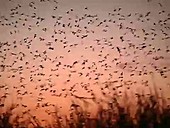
[71,54]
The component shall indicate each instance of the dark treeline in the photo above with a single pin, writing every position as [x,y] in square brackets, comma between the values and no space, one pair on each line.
[151,112]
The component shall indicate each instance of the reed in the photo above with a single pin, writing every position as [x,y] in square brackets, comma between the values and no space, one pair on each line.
[151,112]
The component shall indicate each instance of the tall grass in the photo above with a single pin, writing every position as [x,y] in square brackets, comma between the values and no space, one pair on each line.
[151,112]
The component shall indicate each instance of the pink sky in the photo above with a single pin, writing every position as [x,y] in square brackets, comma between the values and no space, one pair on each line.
[58,45]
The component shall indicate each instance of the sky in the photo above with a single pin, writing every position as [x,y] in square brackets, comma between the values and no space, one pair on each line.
[59,52]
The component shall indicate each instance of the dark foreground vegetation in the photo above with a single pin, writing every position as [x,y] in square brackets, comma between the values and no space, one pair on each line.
[151,112]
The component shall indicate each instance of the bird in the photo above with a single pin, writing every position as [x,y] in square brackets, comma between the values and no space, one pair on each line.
[62,52]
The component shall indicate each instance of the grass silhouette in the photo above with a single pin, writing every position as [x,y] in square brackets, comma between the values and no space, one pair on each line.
[151,112]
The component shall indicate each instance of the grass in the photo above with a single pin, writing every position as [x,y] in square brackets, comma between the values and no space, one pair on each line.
[151,112]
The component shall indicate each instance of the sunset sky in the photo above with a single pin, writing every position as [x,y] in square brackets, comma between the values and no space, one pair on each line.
[52,51]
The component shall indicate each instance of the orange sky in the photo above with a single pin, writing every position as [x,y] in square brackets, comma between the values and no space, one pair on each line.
[49,47]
